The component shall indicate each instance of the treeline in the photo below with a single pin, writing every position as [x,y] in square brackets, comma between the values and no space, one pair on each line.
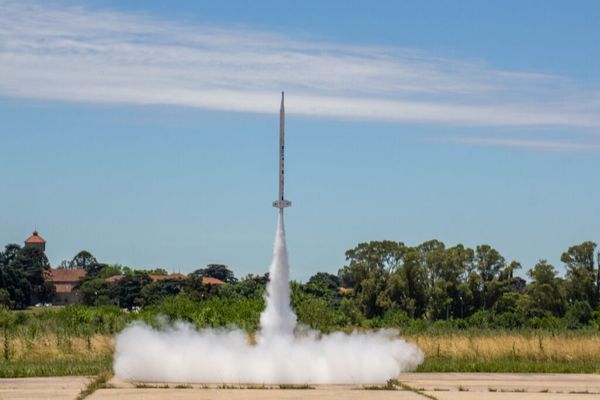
[23,276]
[383,284]
[433,282]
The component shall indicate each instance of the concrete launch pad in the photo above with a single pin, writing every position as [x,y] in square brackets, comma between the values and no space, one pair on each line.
[441,386]
[52,388]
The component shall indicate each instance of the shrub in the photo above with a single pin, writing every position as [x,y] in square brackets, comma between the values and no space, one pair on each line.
[578,314]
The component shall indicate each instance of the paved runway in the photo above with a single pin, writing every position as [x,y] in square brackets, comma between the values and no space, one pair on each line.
[441,386]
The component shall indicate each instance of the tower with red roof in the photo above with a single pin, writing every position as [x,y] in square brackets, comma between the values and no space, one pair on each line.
[35,240]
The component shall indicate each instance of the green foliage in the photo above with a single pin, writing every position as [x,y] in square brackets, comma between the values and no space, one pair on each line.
[84,259]
[583,280]
[22,276]
[428,287]
[211,313]
[127,292]
[578,315]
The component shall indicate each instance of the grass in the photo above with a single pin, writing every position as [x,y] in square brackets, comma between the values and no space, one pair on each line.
[100,382]
[295,387]
[394,384]
[506,351]
[50,367]
[506,345]
[146,386]
[183,386]
[466,365]
[54,354]
[391,384]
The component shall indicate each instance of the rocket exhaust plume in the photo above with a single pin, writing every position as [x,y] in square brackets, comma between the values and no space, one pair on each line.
[278,319]
[181,353]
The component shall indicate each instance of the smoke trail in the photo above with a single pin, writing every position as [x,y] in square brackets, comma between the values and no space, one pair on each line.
[278,317]
[180,353]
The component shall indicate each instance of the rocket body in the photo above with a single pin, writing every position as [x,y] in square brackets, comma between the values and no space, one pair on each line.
[281,203]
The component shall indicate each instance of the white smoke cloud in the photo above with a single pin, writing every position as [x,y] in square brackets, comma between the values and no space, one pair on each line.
[183,354]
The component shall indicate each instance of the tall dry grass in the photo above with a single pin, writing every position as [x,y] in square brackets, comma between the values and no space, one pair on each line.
[502,346]
[57,347]
[504,351]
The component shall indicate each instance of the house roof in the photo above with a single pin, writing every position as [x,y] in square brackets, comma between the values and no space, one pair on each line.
[207,280]
[66,275]
[35,238]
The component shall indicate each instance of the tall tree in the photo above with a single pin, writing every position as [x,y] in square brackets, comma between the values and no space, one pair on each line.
[84,259]
[407,286]
[432,254]
[582,278]
[34,265]
[369,266]
[488,262]
[128,291]
[546,289]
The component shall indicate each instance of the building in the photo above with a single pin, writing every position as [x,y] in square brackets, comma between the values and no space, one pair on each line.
[65,281]
[206,280]
[35,240]
[175,275]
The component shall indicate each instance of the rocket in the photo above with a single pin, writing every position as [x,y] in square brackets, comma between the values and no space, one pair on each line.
[281,203]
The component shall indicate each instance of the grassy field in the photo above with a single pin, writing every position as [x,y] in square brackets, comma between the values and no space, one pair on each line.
[510,352]
[500,351]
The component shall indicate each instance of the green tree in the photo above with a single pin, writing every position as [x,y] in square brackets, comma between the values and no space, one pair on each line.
[84,259]
[95,291]
[578,314]
[448,294]
[9,254]
[407,286]
[432,254]
[546,289]
[34,266]
[488,262]
[252,286]
[582,278]
[128,291]
[156,291]
[325,286]
[157,271]
[367,272]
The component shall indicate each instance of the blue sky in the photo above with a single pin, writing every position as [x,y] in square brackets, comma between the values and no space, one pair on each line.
[146,132]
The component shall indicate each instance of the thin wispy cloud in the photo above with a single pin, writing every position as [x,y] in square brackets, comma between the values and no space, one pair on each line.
[528,144]
[84,55]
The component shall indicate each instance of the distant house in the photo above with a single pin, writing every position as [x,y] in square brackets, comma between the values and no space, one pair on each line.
[176,275]
[65,281]
[206,280]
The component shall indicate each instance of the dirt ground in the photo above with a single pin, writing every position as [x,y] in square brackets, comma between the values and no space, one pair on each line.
[441,386]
